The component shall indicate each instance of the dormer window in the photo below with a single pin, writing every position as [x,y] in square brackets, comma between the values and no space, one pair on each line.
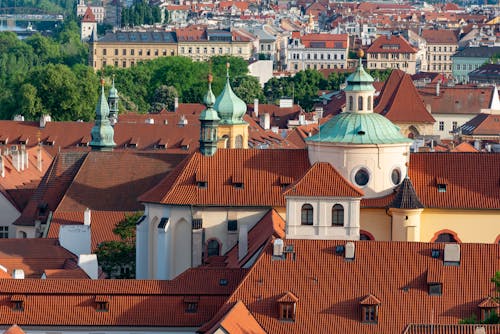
[489,308]
[441,184]
[237,181]
[191,303]
[435,289]
[17,303]
[102,303]
[370,309]
[201,179]
[287,307]
[202,184]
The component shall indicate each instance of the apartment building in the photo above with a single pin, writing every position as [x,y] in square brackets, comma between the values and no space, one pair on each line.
[127,48]
[392,52]
[200,43]
[441,46]
[317,51]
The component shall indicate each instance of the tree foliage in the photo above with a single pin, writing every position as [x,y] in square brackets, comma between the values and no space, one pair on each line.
[164,98]
[117,258]
[141,12]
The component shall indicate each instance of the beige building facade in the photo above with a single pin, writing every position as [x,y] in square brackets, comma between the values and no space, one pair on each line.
[391,52]
[441,46]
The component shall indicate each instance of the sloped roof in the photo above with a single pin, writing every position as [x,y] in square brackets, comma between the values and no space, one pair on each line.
[260,171]
[460,99]
[132,303]
[441,36]
[473,179]
[14,329]
[482,124]
[89,16]
[464,147]
[323,180]
[406,198]
[325,41]
[236,319]
[451,329]
[400,101]
[394,272]
[390,44]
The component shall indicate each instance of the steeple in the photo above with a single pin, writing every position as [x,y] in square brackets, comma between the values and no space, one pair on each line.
[113,104]
[229,106]
[359,90]
[102,132]
[209,121]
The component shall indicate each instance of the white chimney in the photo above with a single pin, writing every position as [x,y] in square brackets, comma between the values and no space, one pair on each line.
[452,254]
[16,160]
[88,263]
[349,251]
[438,85]
[39,158]
[44,119]
[150,121]
[24,158]
[176,103]
[18,274]
[256,108]
[302,119]
[265,121]
[21,157]
[243,241]
[2,167]
[278,246]
[86,217]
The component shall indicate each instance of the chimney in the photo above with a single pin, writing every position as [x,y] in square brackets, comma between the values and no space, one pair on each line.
[2,167]
[256,108]
[265,121]
[86,217]
[452,254]
[438,88]
[243,241]
[88,263]
[18,274]
[302,119]
[16,160]
[349,251]
[22,157]
[44,119]
[176,103]
[39,158]
[278,246]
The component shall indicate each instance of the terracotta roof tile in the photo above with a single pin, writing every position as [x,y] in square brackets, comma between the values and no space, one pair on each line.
[441,36]
[325,181]
[89,16]
[14,329]
[482,125]
[394,272]
[263,167]
[337,41]
[456,100]
[465,147]
[369,300]
[451,329]
[391,44]
[65,274]
[235,319]
[489,303]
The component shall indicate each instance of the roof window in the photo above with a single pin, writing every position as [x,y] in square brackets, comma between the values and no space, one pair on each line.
[17,303]
[369,309]
[287,307]
[191,303]
[102,303]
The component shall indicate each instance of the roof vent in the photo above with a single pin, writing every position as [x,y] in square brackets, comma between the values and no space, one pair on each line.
[349,251]
[339,249]
[361,132]
[435,253]
[18,274]
[451,254]
[223,282]
[278,246]
[150,121]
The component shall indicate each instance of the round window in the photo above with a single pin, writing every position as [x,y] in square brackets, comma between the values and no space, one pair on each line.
[396,176]
[362,177]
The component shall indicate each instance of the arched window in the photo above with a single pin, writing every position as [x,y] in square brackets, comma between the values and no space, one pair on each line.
[350,103]
[213,248]
[22,235]
[238,141]
[446,237]
[337,215]
[226,141]
[307,214]
[369,103]
[360,103]
[363,235]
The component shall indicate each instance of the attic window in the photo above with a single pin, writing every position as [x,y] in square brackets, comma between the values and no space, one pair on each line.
[197,224]
[191,303]
[287,307]
[238,185]
[202,184]
[133,142]
[488,307]
[201,179]
[441,187]
[17,303]
[369,309]
[102,303]
[435,289]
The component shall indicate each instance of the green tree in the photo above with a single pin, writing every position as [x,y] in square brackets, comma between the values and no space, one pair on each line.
[164,98]
[117,258]
[45,49]
[30,104]
[247,88]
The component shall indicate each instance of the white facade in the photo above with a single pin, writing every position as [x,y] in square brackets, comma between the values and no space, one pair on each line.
[445,123]
[322,227]
[8,216]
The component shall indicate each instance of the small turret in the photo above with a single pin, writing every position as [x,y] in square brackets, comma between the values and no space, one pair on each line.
[113,104]
[102,132]
[209,121]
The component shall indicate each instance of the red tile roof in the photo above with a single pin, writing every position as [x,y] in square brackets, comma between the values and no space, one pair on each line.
[132,303]
[451,329]
[236,319]
[337,41]
[400,101]
[65,274]
[465,187]
[260,170]
[325,181]
[456,100]
[89,16]
[483,124]
[14,329]
[394,272]
[464,147]
[441,36]
[391,44]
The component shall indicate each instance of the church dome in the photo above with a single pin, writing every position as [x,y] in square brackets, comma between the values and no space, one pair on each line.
[229,106]
[355,128]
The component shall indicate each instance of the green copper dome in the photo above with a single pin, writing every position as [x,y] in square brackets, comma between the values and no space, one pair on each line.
[113,92]
[229,106]
[359,80]
[102,132]
[354,128]
[209,114]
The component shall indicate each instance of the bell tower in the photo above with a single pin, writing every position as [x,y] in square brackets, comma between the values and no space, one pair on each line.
[209,121]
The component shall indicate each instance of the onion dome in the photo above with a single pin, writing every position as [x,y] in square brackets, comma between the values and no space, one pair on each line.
[209,114]
[359,80]
[230,107]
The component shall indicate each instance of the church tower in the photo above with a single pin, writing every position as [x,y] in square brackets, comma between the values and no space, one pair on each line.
[88,25]
[365,147]
[233,130]
[102,132]
[113,104]
[209,121]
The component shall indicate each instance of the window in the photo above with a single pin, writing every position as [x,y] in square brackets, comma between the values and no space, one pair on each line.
[454,125]
[202,184]
[232,225]
[4,232]
[220,51]
[102,306]
[213,248]
[197,223]
[190,50]
[140,52]
[435,289]
[156,53]
[396,176]
[116,52]
[182,49]
[124,52]
[362,177]
[18,305]
[365,236]
[441,187]
[191,307]
[307,214]
[370,314]
[487,313]
[132,52]
[337,215]
[446,237]
[369,103]
[351,102]
[148,52]
[360,103]
[287,311]
[104,51]
[441,125]
[124,64]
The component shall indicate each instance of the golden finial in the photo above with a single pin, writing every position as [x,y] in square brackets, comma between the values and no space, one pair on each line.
[210,78]
[360,53]
[102,81]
